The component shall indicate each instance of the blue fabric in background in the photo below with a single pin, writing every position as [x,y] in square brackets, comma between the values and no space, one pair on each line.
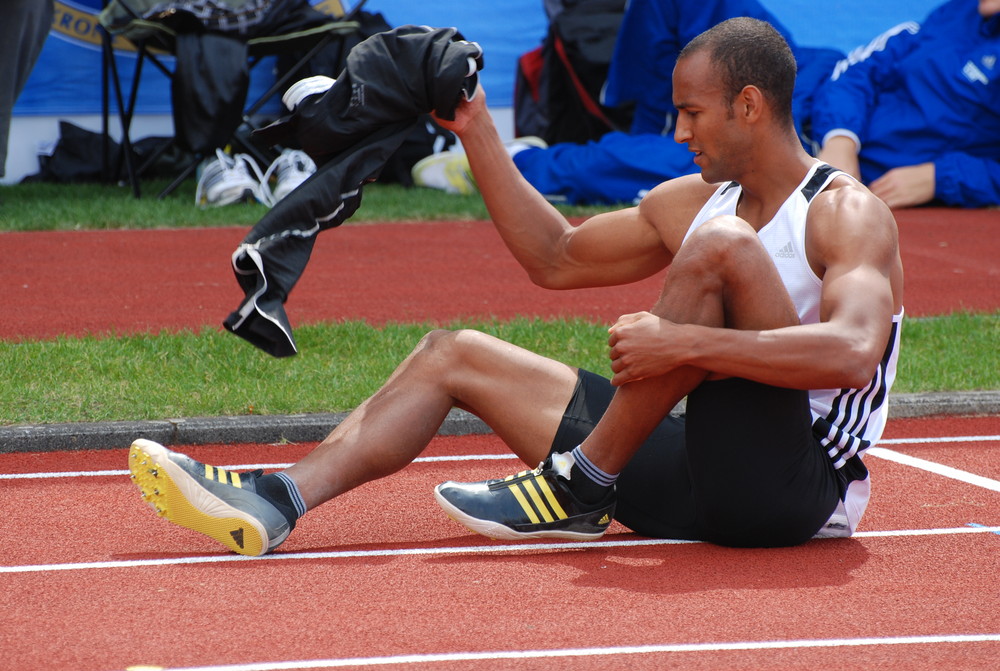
[67,79]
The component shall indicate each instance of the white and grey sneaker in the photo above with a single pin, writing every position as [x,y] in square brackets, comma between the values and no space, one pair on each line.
[220,504]
[289,170]
[225,179]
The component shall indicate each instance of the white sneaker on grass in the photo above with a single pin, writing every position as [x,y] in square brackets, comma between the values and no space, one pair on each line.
[225,179]
[446,171]
[289,170]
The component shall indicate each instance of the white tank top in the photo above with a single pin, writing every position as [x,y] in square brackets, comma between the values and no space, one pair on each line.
[846,421]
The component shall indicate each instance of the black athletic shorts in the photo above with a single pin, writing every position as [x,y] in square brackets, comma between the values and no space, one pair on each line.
[740,468]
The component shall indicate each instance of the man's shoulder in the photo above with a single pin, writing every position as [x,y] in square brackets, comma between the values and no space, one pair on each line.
[672,205]
[679,195]
[845,200]
[845,217]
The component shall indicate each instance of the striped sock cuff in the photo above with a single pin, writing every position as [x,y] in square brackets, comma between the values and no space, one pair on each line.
[592,471]
[293,493]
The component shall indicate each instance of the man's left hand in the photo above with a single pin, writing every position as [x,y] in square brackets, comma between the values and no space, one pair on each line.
[642,345]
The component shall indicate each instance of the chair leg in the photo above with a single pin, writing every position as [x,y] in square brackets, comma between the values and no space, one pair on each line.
[125,153]
[180,178]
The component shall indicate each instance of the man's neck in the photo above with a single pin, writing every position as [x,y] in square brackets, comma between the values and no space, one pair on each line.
[767,186]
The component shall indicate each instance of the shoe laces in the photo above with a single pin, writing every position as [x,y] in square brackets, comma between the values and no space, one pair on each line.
[291,168]
[517,477]
[239,168]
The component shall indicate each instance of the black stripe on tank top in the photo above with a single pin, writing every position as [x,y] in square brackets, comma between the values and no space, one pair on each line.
[815,183]
[841,414]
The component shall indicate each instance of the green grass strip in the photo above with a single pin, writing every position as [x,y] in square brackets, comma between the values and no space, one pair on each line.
[67,207]
[211,373]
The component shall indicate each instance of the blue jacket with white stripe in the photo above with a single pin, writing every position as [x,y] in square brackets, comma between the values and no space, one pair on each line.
[924,93]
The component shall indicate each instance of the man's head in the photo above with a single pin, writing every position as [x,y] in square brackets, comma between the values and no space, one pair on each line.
[733,92]
[988,8]
[750,52]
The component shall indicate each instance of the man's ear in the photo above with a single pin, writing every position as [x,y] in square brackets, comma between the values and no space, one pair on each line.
[750,103]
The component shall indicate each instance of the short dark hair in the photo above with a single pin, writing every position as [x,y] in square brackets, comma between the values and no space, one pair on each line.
[750,52]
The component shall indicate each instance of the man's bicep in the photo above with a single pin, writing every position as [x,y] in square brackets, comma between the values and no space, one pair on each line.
[857,242]
[861,293]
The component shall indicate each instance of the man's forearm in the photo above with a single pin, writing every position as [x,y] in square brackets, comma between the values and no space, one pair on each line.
[813,356]
[530,226]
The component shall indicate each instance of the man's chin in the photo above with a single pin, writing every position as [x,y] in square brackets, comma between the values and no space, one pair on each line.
[709,177]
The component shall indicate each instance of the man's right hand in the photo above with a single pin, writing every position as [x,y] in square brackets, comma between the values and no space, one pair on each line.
[465,112]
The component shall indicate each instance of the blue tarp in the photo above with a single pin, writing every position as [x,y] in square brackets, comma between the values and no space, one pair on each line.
[67,78]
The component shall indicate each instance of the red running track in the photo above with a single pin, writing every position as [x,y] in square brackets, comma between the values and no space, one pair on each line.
[101,282]
[381,577]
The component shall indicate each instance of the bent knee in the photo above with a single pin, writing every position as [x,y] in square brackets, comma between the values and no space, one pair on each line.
[721,240]
[450,345]
[722,230]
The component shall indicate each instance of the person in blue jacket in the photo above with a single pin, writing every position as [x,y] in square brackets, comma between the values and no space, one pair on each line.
[620,167]
[916,113]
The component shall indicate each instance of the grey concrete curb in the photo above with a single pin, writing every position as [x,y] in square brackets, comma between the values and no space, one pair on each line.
[314,427]
[196,431]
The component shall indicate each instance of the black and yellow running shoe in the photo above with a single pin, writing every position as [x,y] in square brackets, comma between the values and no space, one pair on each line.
[220,504]
[531,504]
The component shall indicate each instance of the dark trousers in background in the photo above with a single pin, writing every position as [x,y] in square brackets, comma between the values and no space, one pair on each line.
[25,25]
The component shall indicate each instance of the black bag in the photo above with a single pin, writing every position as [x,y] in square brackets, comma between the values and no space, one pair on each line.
[558,85]
[79,157]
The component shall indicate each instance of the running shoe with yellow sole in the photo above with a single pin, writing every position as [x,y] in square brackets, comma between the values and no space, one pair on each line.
[531,504]
[446,171]
[220,504]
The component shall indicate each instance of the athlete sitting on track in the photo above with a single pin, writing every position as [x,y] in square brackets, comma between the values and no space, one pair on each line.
[779,320]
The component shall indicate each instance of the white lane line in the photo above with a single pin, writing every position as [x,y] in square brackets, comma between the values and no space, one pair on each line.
[598,652]
[933,467]
[470,550]
[466,457]
[939,439]
[239,467]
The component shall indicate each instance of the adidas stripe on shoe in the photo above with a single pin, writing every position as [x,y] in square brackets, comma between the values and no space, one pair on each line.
[531,504]
[220,504]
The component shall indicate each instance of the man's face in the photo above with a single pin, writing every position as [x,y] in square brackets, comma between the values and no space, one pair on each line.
[988,8]
[705,119]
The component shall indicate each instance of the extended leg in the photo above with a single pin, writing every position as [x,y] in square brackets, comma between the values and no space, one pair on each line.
[519,394]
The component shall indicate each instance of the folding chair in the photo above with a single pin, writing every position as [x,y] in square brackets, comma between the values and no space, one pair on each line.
[152,39]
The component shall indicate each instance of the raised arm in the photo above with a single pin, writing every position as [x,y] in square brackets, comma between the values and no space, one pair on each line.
[608,249]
